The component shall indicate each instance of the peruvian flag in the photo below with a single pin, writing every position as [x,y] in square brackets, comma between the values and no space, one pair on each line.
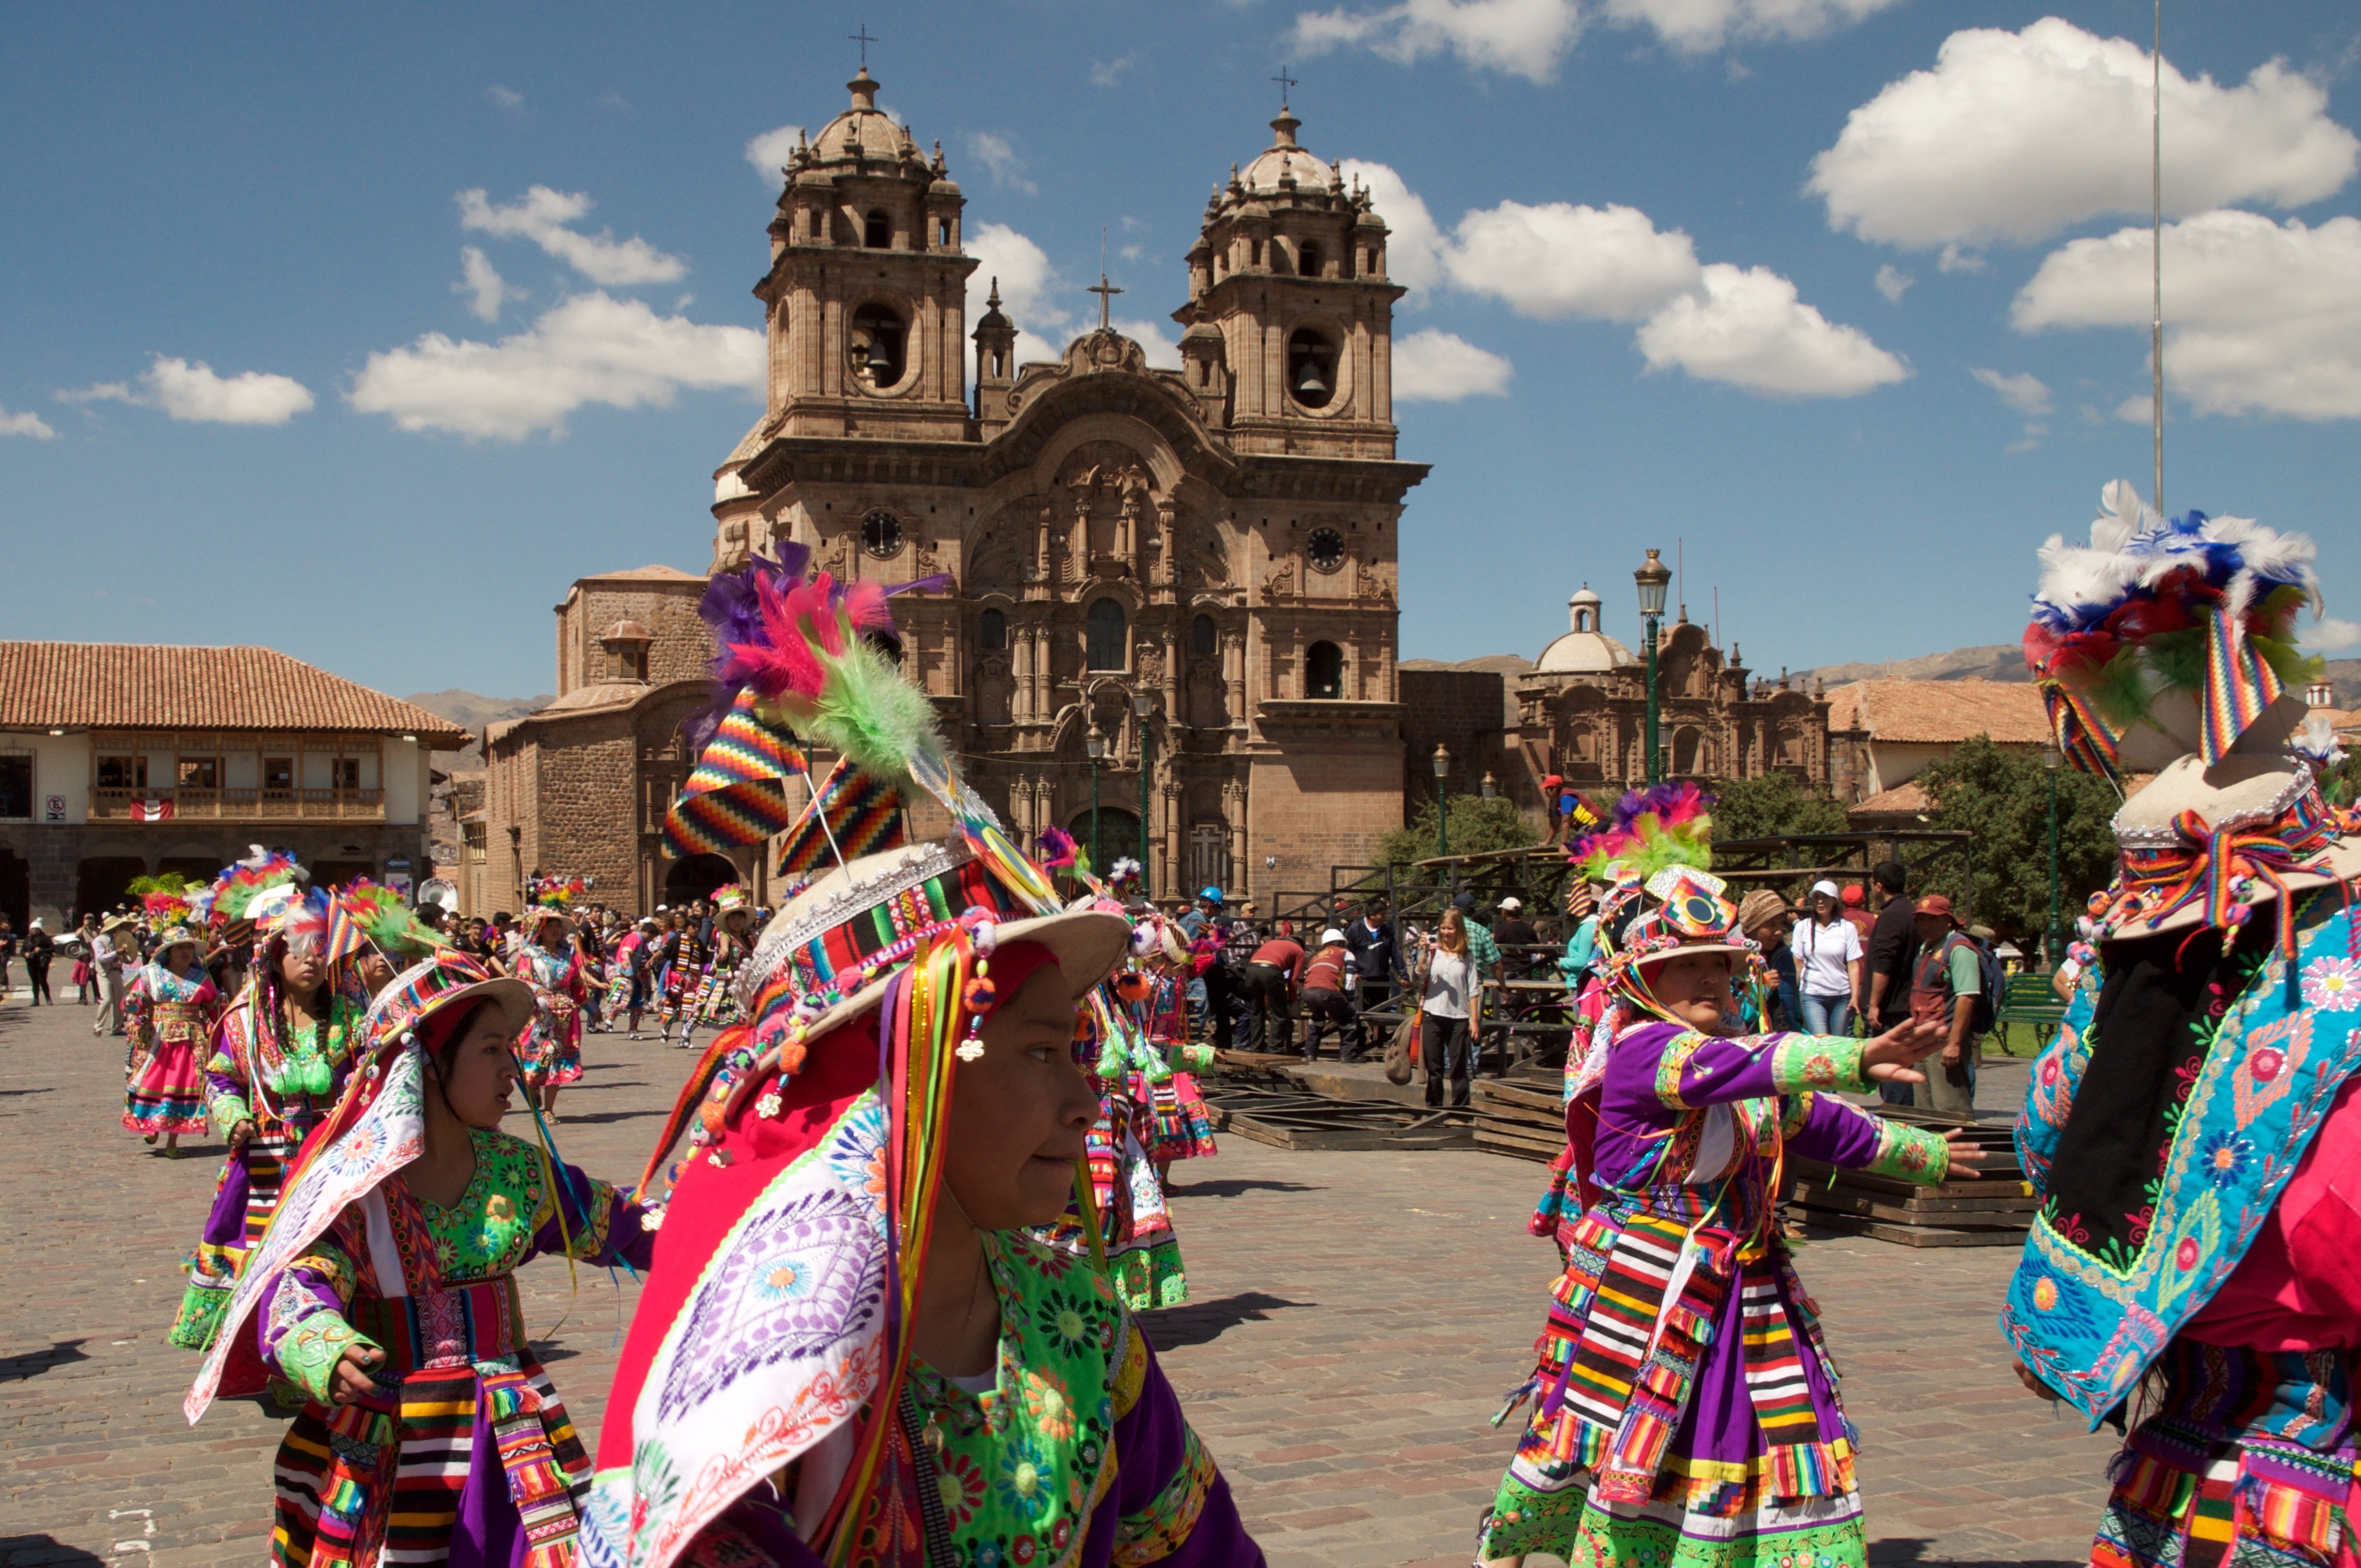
[151,811]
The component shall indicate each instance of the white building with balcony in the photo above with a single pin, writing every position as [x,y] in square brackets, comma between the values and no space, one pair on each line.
[120,760]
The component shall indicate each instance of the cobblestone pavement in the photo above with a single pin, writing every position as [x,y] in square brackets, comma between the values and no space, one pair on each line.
[1356,1319]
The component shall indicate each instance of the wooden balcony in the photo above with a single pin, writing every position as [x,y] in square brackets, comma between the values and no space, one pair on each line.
[172,804]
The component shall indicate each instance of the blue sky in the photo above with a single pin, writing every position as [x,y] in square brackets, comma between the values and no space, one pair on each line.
[362,332]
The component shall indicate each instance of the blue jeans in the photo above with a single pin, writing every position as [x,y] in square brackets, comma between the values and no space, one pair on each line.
[1828,1015]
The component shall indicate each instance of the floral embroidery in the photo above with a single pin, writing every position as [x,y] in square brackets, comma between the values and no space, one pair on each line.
[1047,1403]
[2333,984]
[1159,1529]
[962,1487]
[2223,1157]
[1816,1061]
[1673,1066]
[1024,1481]
[1913,1153]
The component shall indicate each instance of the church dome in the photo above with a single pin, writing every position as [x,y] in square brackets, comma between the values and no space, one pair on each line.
[863,131]
[1285,161]
[1585,649]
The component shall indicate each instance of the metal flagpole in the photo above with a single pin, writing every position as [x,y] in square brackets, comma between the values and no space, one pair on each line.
[2156,238]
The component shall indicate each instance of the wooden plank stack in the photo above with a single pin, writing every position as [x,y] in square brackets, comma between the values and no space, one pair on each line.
[1994,1210]
[1521,1117]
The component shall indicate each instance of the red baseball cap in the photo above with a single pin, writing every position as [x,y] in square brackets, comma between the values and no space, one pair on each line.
[1935,903]
[1852,893]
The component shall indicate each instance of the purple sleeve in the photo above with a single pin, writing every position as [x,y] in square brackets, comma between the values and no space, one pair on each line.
[602,1224]
[1170,1504]
[1678,1069]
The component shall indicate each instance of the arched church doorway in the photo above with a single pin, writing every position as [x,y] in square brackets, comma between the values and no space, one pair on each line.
[99,880]
[697,877]
[1119,835]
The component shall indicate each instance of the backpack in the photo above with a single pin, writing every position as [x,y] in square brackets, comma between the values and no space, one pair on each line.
[1990,982]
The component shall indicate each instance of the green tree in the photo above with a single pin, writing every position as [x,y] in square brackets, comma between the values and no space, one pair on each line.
[2001,795]
[1770,805]
[1477,825]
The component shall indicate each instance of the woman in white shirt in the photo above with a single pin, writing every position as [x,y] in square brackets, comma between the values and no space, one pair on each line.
[1446,983]
[1828,963]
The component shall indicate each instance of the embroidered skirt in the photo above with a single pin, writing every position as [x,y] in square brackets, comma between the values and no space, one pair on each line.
[1182,1126]
[550,1051]
[245,1197]
[473,1455]
[2247,1462]
[167,1090]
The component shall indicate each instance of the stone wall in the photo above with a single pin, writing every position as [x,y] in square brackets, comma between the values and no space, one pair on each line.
[1317,808]
[1462,711]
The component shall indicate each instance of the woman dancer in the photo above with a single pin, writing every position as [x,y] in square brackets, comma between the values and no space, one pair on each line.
[733,943]
[688,959]
[279,1061]
[387,1293]
[170,1006]
[1181,1126]
[550,1051]
[1722,1441]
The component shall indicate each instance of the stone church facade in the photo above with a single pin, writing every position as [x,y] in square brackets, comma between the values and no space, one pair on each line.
[1193,570]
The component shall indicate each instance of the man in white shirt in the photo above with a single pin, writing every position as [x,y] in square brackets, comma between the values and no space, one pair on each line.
[1828,953]
[107,960]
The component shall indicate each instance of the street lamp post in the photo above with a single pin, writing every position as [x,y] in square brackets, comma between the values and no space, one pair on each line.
[2055,941]
[1143,703]
[1652,577]
[1094,744]
[1442,801]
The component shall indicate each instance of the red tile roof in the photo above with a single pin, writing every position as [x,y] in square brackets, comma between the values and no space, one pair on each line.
[1940,712]
[147,686]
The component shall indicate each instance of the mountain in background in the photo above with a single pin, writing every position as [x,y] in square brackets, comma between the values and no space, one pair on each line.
[473,712]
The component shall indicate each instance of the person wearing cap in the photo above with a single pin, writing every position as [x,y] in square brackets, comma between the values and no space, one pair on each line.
[733,931]
[851,1348]
[1858,916]
[281,1057]
[107,959]
[170,1006]
[387,1294]
[1377,964]
[2194,1130]
[40,948]
[1684,1410]
[1327,995]
[549,1055]
[1828,959]
[1944,985]
[1207,922]
[688,959]
[1764,916]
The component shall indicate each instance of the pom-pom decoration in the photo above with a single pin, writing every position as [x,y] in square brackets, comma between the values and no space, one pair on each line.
[1665,824]
[235,890]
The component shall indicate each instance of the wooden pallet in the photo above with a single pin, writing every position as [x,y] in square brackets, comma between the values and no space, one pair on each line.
[1523,1118]
[1912,1233]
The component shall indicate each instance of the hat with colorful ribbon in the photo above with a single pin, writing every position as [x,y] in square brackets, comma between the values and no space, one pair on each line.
[2168,646]
[250,889]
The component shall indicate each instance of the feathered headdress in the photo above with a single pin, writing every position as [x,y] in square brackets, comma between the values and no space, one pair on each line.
[1056,849]
[165,908]
[1665,824]
[555,892]
[2155,618]
[238,888]
[364,913]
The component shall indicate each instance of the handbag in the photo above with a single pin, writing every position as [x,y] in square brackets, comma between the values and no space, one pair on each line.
[1401,1051]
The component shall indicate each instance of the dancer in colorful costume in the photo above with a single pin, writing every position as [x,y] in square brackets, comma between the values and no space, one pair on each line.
[733,932]
[2196,1135]
[385,1289]
[684,974]
[931,1385]
[278,1064]
[550,962]
[1685,1410]
[169,1008]
[1183,1124]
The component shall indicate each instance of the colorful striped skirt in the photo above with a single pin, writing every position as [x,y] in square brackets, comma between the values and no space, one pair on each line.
[245,1197]
[472,1455]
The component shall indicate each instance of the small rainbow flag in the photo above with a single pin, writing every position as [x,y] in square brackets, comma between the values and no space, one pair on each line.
[863,816]
[737,796]
[2239,684]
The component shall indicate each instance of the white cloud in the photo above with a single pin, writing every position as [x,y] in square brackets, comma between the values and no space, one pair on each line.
[194,394]
[1747,328]
[2014,137]
[506,97]
[1433,367]
[768,152]
[2329,635]
[1699,26]
[30,424]
[592,348]
[1559,260]
[1029,289]
[482,281]
[1162,352]
[1892,282]
[1523,37]
[2259,317]
[2023,392]
[998,155]
[1108,72]
[541,215]
[1414,247]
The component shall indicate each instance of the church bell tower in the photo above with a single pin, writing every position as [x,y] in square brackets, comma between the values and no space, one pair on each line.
[865,300]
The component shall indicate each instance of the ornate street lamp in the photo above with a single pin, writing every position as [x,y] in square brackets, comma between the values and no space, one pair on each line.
[1094,744]
[1653,577]
[1442,801]
[1143,703]
[2054,945]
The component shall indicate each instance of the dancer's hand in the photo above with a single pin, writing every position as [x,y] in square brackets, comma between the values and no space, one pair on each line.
[350,1377]
[2035,1385]
[241,1134]
[1888,1058]
[1965,1155]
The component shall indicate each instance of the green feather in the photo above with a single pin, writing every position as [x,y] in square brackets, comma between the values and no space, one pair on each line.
[869,711]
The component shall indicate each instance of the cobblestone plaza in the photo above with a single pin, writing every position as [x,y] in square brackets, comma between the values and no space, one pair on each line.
[1355,1319]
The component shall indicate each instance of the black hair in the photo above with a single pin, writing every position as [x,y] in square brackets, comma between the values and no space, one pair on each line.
[1889,875]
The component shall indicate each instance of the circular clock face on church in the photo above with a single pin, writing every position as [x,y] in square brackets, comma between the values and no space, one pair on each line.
[1326,549]
[881,535]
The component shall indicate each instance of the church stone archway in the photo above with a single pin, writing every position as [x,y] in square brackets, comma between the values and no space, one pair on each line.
[697,877]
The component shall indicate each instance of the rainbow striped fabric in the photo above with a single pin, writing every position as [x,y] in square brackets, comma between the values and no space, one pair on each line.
[863,816]
[737,796]
[2239,684]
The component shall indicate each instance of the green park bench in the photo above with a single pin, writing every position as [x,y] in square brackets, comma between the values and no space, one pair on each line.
[2027,999]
